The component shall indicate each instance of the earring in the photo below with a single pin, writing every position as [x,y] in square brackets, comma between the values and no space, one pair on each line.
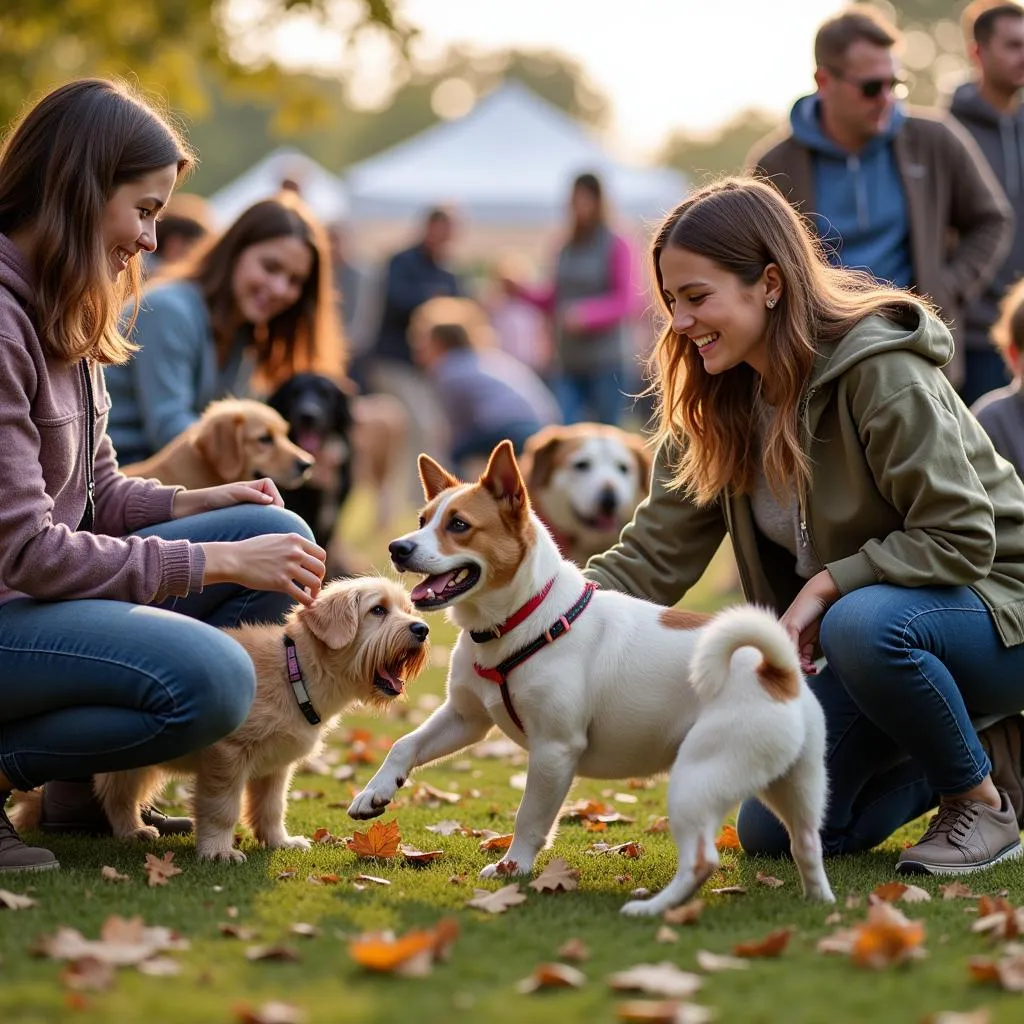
[770,303]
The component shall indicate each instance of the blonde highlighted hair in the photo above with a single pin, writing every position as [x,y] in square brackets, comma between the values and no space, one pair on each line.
[59,166]
[1008,330]
[744,225]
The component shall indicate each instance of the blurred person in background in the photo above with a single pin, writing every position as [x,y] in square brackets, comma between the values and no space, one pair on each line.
[245,311]
[487,394]
[905,196]
[521,328]
[184,222]
[590,302]
[989,108]
[354,293]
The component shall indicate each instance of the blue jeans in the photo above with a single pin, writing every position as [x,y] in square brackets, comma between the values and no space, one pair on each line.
[907,669]
[984,371]
[589,396]
[96,686]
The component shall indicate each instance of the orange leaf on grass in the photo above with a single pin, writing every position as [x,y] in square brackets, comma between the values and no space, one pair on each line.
[551,975]
[664,1011]
[381,839]
[419,857]
[574,949]
[727,839]
[771,945]
[269,1013]
[497,842]
[159,869]
[886,938]
[412,953]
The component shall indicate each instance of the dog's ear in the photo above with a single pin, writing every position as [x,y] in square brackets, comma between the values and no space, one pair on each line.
[538,461]
[333,617]
[502,478]
[644,460]
[434,477]
[221,444]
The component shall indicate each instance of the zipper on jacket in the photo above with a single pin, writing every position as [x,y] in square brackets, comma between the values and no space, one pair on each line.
[805,533]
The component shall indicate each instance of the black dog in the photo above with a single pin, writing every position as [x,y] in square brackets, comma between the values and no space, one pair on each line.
[320,421]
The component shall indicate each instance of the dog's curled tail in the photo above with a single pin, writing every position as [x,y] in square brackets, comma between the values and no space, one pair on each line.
[26,809]
[747,626]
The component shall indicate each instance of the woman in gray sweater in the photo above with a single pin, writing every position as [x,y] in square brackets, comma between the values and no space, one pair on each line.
[111,654]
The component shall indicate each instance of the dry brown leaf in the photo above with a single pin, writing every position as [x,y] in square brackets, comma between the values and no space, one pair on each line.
[662,979]
[957,891]
[418,858]
[835,917]
[236,931]
[286,874]
[551,975]
[430,796]
[771,945]
[574,949]
[886,938]
[445,828]
[688,913]
[499,901]
[279,954]
[499,842]
[122,943]
[381,839]
[411,955]
[669,1011]
[730,890]
[1007,971]
[980,1016]
[715,962]
[15,901]
[88,975]
[160,869]
[658,825]
[373,879]
[727,839]
[889,891]
[305,931]
[324,879]
[324,837]
[631,849]
[159,967]
[915,894]
[589,825]
[770,880]
[270,1013]
[998,917]
[556,877]
[109,874]
[306,794]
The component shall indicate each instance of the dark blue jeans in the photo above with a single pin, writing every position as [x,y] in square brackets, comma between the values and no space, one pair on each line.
[907,671]
[98,686]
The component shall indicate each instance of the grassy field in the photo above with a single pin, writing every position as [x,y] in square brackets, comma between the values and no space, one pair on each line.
[217,983]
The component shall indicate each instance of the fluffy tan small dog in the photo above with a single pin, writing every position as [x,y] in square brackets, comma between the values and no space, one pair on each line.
[358,641]
[234,439]
[585,482]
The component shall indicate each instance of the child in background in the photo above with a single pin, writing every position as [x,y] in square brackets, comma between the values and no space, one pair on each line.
[488,394]
[1001,412]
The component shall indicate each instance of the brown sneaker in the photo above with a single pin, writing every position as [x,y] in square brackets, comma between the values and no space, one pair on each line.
[71,806]
[14,854]
[964,836]
[1004,743]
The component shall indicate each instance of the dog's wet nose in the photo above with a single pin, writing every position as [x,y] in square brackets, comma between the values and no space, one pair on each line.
[419,630]
[607,501]
[401,550]
[303,465]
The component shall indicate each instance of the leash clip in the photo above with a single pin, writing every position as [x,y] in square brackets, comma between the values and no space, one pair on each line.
[559,628]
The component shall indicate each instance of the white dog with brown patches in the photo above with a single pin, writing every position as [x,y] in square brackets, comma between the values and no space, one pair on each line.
[603,685]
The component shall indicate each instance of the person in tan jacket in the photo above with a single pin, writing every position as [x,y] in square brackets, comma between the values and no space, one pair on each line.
[905,195]
[803,411]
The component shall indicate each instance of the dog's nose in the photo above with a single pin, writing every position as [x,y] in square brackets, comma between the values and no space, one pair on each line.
[607,502]
[303,465]
[419,630]
[401,550]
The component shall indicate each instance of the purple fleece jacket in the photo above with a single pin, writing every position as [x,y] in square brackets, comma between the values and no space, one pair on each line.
[43,478]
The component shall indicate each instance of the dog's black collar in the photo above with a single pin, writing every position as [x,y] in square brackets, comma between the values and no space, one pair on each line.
[298,683]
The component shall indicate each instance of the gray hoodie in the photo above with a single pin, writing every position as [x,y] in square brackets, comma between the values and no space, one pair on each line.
[1001,138]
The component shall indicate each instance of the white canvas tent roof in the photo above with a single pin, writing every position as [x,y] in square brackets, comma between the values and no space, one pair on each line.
[323,192]
[510,159]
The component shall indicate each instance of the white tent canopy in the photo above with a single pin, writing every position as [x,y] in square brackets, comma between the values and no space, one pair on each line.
[323,192]
[510,159]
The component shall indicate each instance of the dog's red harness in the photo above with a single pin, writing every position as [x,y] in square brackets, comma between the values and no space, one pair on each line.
[499,674]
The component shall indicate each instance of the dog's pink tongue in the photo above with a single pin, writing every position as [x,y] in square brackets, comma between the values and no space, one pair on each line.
[606,522]
[396,684]
[434,583]
[309,441]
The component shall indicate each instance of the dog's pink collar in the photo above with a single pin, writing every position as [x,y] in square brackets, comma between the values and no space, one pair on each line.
[482,636]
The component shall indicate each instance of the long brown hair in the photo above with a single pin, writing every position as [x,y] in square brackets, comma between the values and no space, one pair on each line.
[58,168]
[307,335]
[744,225]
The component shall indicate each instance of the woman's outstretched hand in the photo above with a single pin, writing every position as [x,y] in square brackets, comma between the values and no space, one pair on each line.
[285,562]
[206,499]
[802,619]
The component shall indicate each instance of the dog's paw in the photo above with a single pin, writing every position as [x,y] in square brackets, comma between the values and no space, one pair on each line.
[505,868]
[369,804]
[228,856]
[291,843]
[640,908]
[142,834]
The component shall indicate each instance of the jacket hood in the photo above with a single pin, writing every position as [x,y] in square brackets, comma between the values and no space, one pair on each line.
[968,104]
[805,123]
[15,273]
[918,332]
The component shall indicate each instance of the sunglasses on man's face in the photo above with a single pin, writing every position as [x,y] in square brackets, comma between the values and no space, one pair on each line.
[870,88]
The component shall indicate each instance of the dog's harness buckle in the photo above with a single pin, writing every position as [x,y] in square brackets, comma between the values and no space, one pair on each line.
[499,674]
[298,684]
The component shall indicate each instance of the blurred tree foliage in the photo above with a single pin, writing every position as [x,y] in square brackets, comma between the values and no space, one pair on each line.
[174,48]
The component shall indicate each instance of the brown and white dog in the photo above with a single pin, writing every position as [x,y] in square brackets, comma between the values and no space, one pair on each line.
[585,482]
[234,439]
[603,685]
[358,641]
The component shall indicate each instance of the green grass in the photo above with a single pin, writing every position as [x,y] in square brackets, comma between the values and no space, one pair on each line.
[492,952]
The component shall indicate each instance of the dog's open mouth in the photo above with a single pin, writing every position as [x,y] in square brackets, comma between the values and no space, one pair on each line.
[437,591]
[604,522]
[389,682]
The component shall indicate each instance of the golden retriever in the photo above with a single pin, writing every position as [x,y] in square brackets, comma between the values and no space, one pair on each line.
[358,641]
[234,439]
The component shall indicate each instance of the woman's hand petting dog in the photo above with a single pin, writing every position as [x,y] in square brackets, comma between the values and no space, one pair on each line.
[206,499]
[802,619]
[284,562]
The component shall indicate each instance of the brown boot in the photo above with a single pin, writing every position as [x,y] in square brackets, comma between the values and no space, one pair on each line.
[71,806]
[14,854]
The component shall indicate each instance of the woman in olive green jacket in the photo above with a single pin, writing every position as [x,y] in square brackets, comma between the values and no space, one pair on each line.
[804,412]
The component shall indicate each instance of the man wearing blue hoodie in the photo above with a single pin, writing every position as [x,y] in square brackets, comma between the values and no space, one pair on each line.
[905,196]
[990,109]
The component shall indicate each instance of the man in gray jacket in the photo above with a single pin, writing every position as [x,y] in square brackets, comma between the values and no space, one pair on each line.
[989,108]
